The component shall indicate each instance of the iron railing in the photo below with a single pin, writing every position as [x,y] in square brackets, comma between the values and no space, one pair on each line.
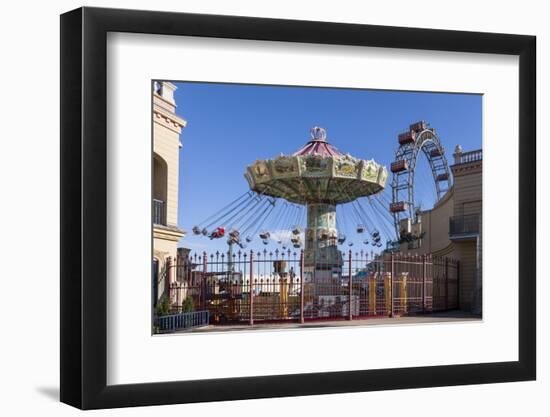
[251,287]
[182,321]
[159,212]
[464,225]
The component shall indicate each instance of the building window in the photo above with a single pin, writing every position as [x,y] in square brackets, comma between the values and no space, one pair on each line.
[160,185]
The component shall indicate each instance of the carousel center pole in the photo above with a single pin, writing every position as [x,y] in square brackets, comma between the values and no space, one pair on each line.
[321,251]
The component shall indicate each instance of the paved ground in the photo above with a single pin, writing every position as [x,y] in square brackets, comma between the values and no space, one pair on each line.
[449,316]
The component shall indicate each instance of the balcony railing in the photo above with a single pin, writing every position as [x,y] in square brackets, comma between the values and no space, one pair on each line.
[464,225]
[467,157]
[159,212]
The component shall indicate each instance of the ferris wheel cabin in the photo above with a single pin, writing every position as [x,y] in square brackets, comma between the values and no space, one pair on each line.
[406,137]
[399,166]
[418,126]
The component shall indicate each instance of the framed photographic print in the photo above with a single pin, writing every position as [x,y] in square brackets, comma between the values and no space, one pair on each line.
[257,208]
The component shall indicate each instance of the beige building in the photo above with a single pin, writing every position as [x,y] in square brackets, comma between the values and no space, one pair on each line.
[453,227]
[167,128]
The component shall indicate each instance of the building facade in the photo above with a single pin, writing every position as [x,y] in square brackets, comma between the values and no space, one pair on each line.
[453,227]
[167,128]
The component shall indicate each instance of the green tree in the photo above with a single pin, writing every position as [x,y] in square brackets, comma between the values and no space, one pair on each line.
[163,307]
[188,305]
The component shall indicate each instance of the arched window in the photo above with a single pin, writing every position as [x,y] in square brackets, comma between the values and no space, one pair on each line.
[160,181]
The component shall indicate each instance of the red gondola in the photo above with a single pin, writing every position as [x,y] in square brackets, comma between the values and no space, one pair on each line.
[436,152]
[418,126]
[399,166]
[398,207]
[406,137]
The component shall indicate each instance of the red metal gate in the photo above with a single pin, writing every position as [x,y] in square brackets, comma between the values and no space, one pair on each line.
[252,287]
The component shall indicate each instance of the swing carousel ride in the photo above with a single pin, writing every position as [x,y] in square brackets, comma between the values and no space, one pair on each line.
[294,199]
[320,199]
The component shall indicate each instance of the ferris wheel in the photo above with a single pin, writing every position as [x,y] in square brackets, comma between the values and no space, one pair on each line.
[420,139]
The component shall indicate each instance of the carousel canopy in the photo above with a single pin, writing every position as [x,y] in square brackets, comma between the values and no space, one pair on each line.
[318,145]
[317,173]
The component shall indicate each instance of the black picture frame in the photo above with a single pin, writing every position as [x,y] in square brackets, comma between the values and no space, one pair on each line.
[84,207]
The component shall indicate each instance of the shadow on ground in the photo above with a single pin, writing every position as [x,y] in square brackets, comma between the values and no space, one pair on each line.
[50,392]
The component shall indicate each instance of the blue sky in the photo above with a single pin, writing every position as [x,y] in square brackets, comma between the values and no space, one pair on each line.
[232,125]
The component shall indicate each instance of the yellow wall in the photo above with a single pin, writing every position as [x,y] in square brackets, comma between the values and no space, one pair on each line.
[167,127]
[166,145]
[435,225]
[468,201]
[464,198]
[468,190]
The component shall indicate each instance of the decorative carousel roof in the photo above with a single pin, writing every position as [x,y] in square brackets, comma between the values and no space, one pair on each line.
[318,145]
[317,173]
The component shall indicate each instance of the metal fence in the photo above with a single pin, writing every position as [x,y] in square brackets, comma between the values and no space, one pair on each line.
[277,286]
[181,321]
